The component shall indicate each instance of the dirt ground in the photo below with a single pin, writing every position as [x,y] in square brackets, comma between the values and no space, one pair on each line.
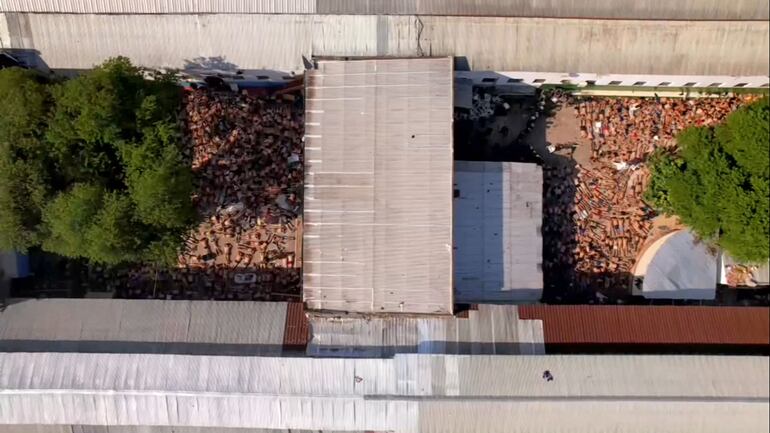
[561,130]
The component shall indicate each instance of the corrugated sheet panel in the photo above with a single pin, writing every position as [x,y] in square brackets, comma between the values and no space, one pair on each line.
[564,324]
[644,9]
[648,47]
[128,325]
[408,393]
[279,42]
[160,6]
[28,428]
[492,329]
[378,186]
[600,9]
[247,42]
[297,330]
[639,416]
[498,246]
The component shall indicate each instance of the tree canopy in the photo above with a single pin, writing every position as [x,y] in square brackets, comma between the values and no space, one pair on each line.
[92,167]
[718,182]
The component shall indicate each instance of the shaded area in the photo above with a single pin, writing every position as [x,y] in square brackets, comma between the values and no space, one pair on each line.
[497,232]
[178,348]
[492,123]
[218,282]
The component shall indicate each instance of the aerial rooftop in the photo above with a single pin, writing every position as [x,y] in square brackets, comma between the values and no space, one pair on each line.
[498,212]
[406,393]
[378,186]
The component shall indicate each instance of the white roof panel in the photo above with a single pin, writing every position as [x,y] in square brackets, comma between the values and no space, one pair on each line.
[144,326]
[377,230]
[498,247]
[407,393]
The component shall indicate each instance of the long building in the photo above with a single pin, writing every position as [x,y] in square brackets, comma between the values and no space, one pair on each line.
[406,393]
[147,366]
[598,9]
[276,328]
[673,49]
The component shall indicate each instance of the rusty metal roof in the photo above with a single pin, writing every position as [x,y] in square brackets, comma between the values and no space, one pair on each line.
[606,324]
[297,329]
[378,186]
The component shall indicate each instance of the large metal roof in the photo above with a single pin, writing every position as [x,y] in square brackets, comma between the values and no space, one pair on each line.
[279,42]
[408,393]
[378,186]
[636,9]
[143,326]
[651,324]
[498,248]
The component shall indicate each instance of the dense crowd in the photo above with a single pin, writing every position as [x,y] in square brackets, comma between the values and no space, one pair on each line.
[596,221]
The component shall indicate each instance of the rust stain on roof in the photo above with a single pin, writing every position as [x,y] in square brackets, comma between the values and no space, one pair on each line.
[651,324]
[297,329]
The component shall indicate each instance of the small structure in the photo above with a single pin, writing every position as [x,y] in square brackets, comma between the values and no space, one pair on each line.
[498,213]
[378,186]
[676,266]
[733,273]
[490,330]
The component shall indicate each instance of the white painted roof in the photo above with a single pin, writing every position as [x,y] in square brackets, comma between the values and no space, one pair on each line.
[678,266]
[492,329]
[498,245]
[407,393]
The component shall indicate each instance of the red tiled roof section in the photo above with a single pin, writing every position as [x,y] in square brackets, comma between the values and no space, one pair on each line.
[574,324]
[296,333]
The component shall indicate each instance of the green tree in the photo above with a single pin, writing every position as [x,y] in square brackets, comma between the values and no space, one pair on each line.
[159,179]
[23,193]
[95,113]
[719,182]
[24,176]
[114,237]
[68,219]
[92,167]
[24,104]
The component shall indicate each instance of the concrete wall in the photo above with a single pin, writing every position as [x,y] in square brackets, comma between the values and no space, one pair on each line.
[651,49]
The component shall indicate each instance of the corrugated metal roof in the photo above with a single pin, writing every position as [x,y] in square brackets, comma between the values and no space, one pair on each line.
[279,42]
[634,9]
[123,325]
[160,6]
[378,186]
[593,416]
[643,9]
[498,248]
[408,393]
[31,428]
[492,329]
[297,327]
[609,324]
